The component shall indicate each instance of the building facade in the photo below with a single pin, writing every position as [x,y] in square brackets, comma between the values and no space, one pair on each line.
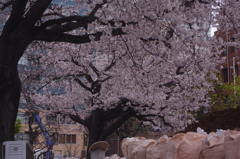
[226,94]
[68,140]
[229,69]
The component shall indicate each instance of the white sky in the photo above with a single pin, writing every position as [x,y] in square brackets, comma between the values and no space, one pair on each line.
[213,29]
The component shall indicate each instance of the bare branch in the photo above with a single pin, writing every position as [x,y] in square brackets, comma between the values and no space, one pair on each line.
[111,65]
[178,71]
[76,62]
[5,5]
[55,78]
[77,118]
[104,79]
[95,9]
[115,125]
[94,69]
[82,84]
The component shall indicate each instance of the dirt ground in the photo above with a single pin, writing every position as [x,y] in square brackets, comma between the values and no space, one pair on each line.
[227,119]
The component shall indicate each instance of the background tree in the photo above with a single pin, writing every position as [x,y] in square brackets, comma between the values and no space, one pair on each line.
[225,95]
[71,151]
[132,128]
[17,126]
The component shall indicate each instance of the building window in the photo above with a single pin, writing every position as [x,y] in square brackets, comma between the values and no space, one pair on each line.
[61,139]
[50,119]
[233,48]
[32,120]
[67,139]
[59,120]
[236,70]
[30,137]
[225,74]
[23,117]
[26,118]
[225,50]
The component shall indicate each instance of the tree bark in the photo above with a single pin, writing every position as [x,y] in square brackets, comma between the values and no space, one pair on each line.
[100,126]
[11,50]
[95,125]
[93,137]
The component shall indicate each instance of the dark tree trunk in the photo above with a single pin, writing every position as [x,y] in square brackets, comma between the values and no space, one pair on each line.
[93,137]
[10,89]
[96,124]
[16,35]
[10,86]
[100,124]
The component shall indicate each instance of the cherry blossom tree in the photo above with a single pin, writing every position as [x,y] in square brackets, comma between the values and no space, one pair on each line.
[153,66]
[227,21]
[114,60]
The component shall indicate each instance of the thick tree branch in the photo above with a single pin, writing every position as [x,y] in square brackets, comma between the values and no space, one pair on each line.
[80,19]
[122,116]
[18,9]
[146,118]
[114,126]
[77,119]
[122,104]
[89,78]
[68,27]
[35,13]
[16,16]
[50,36]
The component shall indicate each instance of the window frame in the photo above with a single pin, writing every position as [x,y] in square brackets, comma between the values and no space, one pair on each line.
[67,139]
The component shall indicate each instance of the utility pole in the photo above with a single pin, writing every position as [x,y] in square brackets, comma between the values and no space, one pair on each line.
[234,82]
